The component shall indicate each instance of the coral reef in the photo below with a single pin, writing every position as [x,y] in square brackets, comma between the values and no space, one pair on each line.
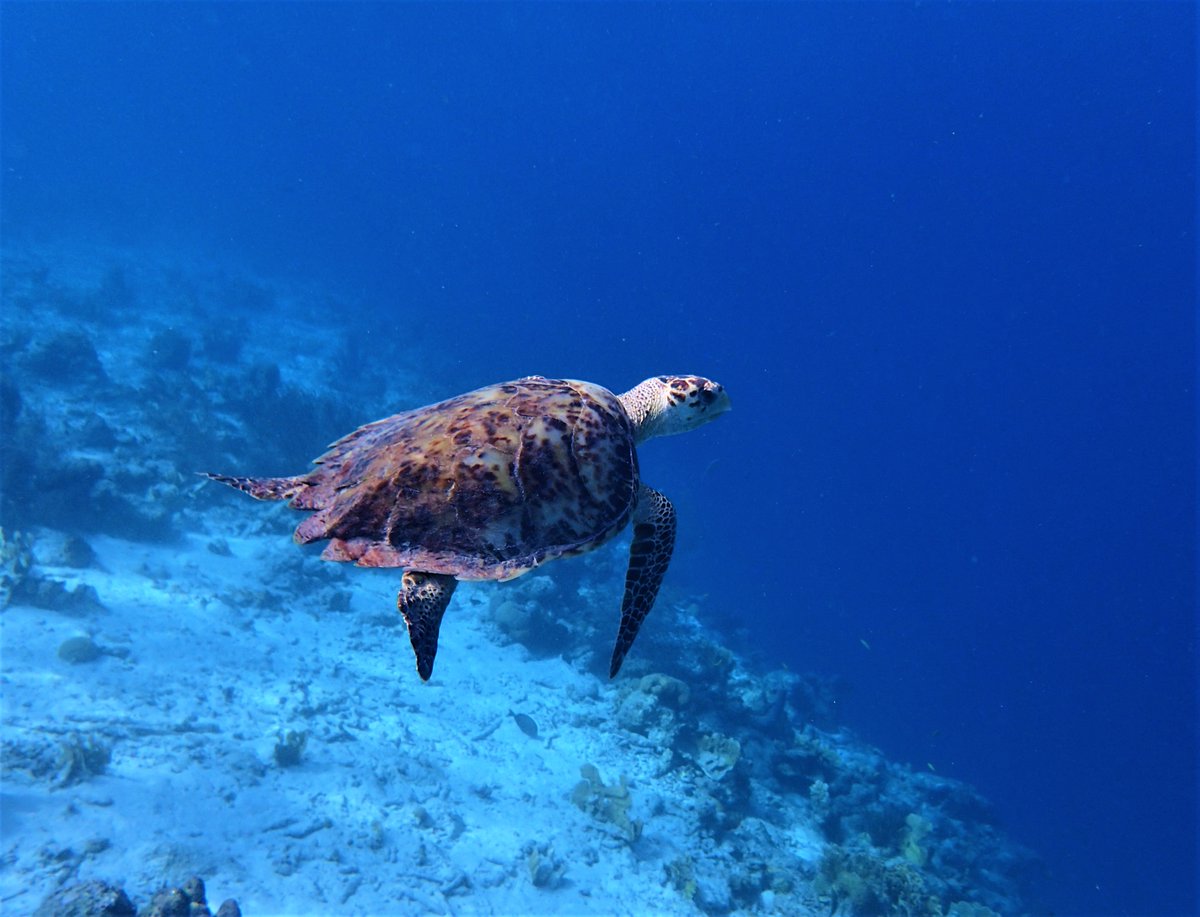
[739,791]
[75,384]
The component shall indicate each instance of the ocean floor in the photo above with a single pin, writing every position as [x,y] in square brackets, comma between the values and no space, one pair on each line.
[186,693]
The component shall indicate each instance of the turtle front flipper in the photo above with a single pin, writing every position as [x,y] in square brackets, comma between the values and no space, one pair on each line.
[649,555]
[262,488]
[422,601]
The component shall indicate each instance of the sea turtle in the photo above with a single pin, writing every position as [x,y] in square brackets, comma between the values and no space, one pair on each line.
[491,484]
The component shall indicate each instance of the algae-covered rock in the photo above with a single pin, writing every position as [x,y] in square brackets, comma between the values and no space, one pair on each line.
[187,900]
[290,748]
[652,707]
[970,909]
[20,581]
[717,754]
[809,758]
[682,875]
[546,870]
[524,614]
[818,797]
[873,885]
[669,691]
[16,562]
[80,758]
[87,899]
[606,803]
[915,829]
[514,620]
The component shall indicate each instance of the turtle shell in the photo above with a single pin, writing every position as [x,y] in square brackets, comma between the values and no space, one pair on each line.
[486,485]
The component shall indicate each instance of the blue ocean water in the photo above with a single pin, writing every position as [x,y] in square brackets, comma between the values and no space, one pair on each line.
[942,257]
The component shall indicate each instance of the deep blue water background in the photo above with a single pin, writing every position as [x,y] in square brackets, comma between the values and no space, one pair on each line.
[942,257]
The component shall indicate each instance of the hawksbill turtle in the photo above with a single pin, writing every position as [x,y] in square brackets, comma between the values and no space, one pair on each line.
[493,483]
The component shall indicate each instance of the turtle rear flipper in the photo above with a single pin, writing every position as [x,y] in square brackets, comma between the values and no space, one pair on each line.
[649,555]
[263,488]
[422,601]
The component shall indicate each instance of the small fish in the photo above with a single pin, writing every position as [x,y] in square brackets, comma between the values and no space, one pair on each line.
[865,644]
[525,724]
[931,767]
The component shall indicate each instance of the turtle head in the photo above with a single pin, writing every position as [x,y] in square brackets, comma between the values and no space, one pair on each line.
[673,404]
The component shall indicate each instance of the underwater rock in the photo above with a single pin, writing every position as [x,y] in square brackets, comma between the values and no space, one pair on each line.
[114,295]
[20,582]
[10,404]
[95,433]
[515,621]
[62,549]
[68,356]
[78,650]
[262,380]
[87,899]
[713,894]
[77,601]
[530,622]
[223,343]
[169,349]
[56,490]
[220,547]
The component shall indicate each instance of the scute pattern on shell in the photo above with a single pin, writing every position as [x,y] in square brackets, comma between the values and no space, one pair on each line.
[482,486]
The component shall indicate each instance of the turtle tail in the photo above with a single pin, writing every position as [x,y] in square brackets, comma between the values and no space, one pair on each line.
[262,488]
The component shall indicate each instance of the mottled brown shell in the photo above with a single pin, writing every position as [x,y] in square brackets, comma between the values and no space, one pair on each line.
[483,486]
